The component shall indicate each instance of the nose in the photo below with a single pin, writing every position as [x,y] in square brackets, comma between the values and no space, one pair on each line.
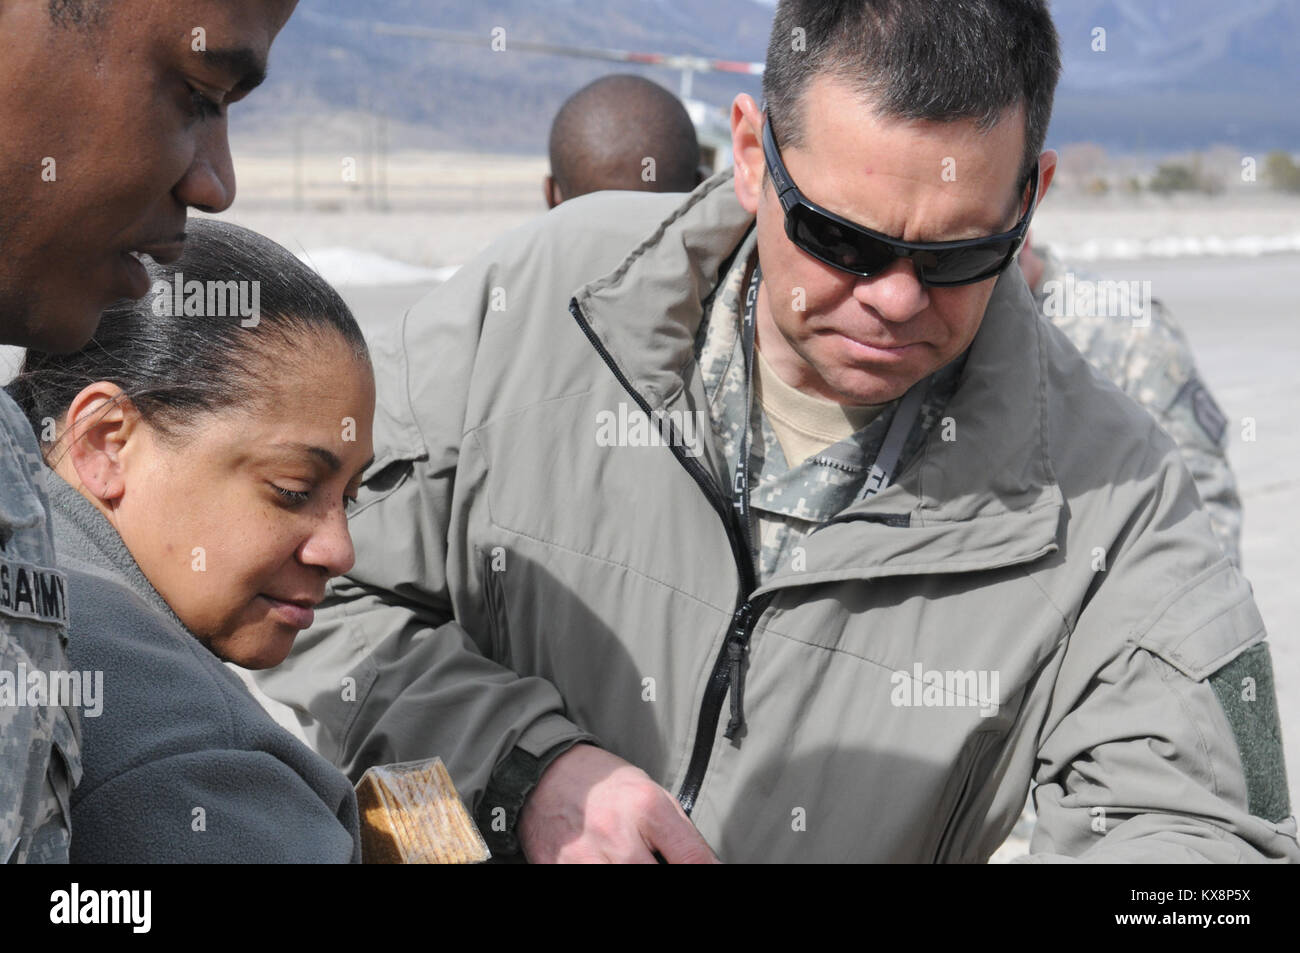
[895,294]
[209,183]
[330,544]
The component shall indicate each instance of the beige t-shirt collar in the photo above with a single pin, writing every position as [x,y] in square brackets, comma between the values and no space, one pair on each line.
[805,425]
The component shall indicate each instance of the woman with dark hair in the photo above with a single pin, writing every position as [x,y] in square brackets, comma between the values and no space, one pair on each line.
[208,440]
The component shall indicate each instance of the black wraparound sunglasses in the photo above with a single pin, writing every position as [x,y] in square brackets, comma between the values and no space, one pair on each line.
[841,244]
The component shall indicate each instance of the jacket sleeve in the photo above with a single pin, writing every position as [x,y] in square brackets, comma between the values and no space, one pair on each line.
[1163,743]
[395,668]
[213,806]
[1165,380]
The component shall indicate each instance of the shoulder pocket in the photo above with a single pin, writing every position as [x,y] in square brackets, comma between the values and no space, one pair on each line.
[1204,624]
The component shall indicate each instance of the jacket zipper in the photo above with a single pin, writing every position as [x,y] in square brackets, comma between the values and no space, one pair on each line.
[728,667]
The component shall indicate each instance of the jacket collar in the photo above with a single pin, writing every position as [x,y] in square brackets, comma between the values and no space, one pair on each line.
[647,311]
[987,498]
[83,535]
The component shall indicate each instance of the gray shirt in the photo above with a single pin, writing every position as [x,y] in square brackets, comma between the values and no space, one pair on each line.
[182,765]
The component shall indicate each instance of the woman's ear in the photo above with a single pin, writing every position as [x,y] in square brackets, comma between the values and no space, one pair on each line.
[101,420]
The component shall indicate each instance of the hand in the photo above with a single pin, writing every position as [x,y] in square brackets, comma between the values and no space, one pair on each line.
[593,807]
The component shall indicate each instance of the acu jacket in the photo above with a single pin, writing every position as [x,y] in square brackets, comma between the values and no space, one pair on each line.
[1037,600]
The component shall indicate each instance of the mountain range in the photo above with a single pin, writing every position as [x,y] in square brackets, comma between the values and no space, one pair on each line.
[1165,76]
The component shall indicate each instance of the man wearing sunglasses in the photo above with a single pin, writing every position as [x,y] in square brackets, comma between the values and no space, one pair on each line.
[775,524]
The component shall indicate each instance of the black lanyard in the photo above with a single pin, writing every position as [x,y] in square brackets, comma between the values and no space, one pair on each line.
[882,468]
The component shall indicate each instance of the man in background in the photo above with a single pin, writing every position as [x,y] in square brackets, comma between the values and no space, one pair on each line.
[1148,357]
[621,132]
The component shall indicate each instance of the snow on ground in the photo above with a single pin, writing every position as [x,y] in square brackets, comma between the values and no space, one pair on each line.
[350,268]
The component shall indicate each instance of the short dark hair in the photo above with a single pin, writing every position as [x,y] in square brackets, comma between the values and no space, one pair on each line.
[175,368]
[937,60]
[84,14]
[604,131]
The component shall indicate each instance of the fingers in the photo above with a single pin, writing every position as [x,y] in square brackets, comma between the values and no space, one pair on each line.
[668,830]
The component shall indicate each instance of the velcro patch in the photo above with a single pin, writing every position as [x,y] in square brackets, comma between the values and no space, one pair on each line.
[1245,690]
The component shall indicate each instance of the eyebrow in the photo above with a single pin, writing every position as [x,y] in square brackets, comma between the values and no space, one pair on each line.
[325,456]
[242,62]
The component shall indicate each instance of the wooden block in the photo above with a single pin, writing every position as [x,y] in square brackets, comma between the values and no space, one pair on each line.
[411,814]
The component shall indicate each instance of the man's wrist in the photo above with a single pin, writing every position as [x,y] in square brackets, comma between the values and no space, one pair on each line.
[503,801]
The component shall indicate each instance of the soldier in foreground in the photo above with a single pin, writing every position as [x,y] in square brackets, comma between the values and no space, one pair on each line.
[774,523]
[112,124]
[604,132]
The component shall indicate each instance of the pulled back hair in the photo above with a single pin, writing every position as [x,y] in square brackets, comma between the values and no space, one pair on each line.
[936,60]
[175,368]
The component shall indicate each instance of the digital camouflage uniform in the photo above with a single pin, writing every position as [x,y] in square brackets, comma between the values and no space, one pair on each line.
[40,760]
[1152,362]
[788,503]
